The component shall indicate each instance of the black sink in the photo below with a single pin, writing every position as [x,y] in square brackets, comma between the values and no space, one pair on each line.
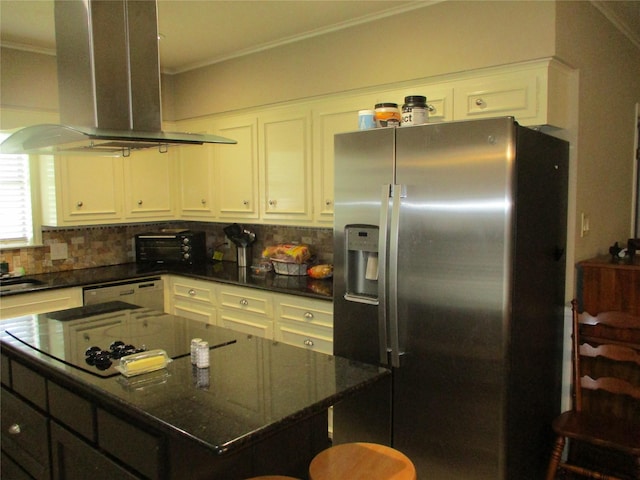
[15,284]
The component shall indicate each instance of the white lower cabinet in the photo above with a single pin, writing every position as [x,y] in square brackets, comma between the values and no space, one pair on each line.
[292,319]
[246,310]
[193,299]
[304,322]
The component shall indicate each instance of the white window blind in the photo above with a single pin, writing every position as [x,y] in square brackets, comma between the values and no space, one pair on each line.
[16,224]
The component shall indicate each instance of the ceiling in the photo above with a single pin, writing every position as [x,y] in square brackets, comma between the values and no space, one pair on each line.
[195,33]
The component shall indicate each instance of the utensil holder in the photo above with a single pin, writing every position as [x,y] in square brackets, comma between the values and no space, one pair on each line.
[245,255]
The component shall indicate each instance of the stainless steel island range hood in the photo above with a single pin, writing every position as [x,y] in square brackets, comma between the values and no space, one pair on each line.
[108,84]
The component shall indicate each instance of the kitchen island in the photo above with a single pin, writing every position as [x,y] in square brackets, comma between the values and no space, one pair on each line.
[261,407]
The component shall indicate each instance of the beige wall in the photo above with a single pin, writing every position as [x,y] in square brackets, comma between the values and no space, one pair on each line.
[442,38]
[608,67]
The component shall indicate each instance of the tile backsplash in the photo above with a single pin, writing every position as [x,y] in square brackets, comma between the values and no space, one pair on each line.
[97,246]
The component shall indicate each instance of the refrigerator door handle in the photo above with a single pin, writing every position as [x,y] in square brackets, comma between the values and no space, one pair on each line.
[382,274]
[398,191]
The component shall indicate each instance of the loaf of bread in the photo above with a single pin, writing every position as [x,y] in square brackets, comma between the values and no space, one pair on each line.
[287,252]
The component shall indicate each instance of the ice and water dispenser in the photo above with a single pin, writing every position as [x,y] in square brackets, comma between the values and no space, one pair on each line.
[361,269]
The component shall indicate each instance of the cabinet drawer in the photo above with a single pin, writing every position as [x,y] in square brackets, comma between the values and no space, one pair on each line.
[25,435]
[239,321]
[246,300]
[72,410]
[194,290]
[29,384]
[305,311]
[313,338]
[136,448]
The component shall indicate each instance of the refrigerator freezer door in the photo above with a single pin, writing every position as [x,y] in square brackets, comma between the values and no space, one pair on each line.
[453,284]
[364,164]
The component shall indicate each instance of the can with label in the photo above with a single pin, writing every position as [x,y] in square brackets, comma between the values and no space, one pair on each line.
[387,115]
[414,110]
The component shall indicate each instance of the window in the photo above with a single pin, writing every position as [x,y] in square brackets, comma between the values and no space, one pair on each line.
[17,226]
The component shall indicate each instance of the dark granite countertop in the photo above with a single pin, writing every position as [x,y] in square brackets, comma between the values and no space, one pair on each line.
[253,387]
[223,272]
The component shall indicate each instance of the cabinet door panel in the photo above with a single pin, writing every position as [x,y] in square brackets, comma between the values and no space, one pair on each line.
[286,163]
[91,188]
[74,459]
[237,169]
[24,435]
[149,184]
[197,176]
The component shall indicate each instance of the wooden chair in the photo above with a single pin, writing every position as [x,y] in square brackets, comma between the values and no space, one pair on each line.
[604,370]
[361,461]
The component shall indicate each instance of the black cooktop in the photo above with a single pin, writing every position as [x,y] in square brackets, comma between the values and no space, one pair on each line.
[95,337]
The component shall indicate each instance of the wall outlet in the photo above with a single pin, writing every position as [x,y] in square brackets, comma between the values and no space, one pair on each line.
[59,251]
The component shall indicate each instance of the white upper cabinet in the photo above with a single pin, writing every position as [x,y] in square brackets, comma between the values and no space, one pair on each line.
[535,94]
[149,185]
[236,166]
[196,176]
[285,165]
[81,190]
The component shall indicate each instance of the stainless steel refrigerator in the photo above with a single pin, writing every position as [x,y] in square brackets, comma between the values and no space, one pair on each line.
[449,268]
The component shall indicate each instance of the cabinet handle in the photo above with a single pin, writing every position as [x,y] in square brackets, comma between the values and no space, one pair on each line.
[244,302]
[192,292]
[79,204]
[14,429]
[308,315]
[308,342]
[139,202]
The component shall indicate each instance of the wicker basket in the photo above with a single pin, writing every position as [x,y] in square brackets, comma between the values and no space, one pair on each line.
[288,268]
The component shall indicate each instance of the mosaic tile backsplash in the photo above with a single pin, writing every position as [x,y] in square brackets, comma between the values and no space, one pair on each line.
[98,246]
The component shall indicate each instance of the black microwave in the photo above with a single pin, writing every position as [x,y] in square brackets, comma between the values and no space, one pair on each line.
[171,246]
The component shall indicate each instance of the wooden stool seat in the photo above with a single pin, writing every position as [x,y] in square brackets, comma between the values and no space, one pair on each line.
[361,461]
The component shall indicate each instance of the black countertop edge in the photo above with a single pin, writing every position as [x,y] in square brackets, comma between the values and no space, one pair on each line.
[87,386]
[222,272]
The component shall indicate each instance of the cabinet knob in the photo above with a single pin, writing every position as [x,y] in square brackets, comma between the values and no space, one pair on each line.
[139,202]
[79,204]
[244,302]
[272,203]
[479,102]
[328,202]
[308,342]
[245,203]
[14,429]
[431,108]
[308,315]
[203,201]
[192,292]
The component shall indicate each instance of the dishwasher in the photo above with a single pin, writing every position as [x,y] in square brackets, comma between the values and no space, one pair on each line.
[144,292]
